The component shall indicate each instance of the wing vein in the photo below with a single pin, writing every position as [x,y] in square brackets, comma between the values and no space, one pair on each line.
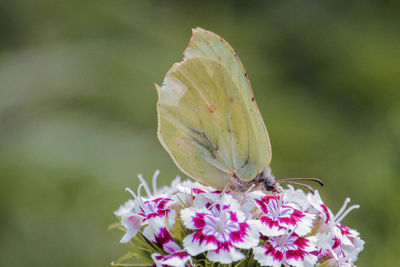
[195,87]
[181,126]
[229,128]
[207,103]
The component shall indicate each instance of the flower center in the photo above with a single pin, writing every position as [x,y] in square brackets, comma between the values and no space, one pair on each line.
[220,225]
[284,242]
[217,223]
[150,207]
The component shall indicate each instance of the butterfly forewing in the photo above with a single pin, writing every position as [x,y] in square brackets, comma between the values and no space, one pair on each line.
[208,120]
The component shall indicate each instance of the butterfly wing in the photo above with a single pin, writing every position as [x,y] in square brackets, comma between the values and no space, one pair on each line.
[208,120]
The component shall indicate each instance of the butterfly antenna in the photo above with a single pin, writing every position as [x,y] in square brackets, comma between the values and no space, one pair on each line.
[300,184]
[304,179]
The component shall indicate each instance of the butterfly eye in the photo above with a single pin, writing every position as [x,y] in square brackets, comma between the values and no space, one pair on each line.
[268,186]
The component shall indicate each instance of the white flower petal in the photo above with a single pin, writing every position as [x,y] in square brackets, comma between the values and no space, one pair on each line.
[126,208]
[153,228]
[132,225]
[187,187]
[128,236]
[227,199]
[296,196]
[225,256]
[247,207]
[309,260]
[305,225]
[171,247]
[171,215]
[324,242]
[257,194]
[204,199]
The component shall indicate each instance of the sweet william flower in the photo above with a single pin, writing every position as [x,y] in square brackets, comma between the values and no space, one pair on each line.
[345,242]
[221,229]
[279,217]
[173,255]
[190,224]
[143,212]
[288,249]
[136,213]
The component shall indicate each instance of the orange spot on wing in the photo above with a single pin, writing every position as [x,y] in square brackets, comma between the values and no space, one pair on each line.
[212,108]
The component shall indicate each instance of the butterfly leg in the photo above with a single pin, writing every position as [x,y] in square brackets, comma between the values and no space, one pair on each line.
[246,192]
[227,186]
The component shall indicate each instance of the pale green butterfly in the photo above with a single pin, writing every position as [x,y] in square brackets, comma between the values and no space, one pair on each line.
[208,120]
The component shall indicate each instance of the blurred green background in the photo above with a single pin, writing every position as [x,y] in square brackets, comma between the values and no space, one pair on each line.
[78,116]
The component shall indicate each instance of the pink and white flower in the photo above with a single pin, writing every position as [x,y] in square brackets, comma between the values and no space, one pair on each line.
[337,242]
[157,233]
[289,249]
[346,244]
[278,217]
[188,190]
[292,228]
[221,229]
[176,259]
[136,213]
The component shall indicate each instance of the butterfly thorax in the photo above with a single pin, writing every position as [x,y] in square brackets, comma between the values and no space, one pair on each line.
[265,180]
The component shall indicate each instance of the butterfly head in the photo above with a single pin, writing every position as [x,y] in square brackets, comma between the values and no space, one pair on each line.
[268,180]
[271,185]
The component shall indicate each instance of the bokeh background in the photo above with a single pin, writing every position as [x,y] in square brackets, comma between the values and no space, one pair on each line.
[78,115]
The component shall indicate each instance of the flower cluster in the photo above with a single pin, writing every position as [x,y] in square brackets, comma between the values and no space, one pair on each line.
[189,224]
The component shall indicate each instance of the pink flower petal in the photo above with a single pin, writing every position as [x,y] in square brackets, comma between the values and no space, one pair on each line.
[193,219]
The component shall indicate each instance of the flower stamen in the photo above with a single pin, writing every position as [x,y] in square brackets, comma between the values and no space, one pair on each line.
[145,185]
[154,181]
[343,212]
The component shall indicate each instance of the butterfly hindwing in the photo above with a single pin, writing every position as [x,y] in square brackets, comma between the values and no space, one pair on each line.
[208,120]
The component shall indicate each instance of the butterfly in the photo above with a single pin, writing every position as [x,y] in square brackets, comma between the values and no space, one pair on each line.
[208,119]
